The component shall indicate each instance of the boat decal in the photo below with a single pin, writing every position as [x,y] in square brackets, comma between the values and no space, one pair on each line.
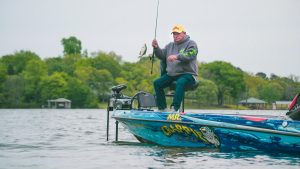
[210,136]
[255,119]
[204,134]
[224,125]
[174,117]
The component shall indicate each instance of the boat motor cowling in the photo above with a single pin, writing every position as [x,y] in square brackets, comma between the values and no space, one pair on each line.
[117,89]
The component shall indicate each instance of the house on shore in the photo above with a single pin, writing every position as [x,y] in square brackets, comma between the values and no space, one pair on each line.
[60,103]
[253,103]
[280,105]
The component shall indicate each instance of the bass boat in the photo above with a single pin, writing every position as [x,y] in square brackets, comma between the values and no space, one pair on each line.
[206,130]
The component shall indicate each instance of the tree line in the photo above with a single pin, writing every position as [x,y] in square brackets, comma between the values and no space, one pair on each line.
[27,81]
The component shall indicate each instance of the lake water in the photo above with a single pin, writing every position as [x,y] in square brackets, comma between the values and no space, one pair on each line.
[76,138]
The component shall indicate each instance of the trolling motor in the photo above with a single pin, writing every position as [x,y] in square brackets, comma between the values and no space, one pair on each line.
[118,101]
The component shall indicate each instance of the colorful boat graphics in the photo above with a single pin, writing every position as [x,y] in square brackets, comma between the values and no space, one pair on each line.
[225,132]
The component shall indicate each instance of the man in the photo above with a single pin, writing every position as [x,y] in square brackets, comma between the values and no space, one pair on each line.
[180,58]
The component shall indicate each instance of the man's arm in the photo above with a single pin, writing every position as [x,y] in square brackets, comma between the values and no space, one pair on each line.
[160,53]
[190,53]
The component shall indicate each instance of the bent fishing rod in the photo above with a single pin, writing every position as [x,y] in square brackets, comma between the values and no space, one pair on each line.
[152,57]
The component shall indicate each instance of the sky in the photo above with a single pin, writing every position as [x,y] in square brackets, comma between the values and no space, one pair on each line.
[254,35]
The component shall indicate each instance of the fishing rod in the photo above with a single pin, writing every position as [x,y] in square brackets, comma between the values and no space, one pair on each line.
[152,57]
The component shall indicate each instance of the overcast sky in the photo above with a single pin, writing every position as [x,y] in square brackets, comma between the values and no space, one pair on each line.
[255,35]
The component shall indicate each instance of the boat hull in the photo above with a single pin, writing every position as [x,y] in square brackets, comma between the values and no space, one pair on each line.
[225,132]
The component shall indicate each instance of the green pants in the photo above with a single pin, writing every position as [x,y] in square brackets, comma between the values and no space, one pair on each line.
[164,82]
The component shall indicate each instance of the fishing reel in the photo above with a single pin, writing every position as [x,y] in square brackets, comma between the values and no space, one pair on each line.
[119,101]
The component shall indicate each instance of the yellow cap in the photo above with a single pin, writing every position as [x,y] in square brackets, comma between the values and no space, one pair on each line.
[178,28]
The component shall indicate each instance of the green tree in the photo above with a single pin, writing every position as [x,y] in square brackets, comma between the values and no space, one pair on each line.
[66,64]
[271,92]
[253,83]
[55,65]
[13,92]
[230,80]
[70,62]
[206,93]
[71,45]
[262,75]
[99,81]
[3,76]
[33,73]
[139,73]
[274,77]
[121,80]
[102,82]
[289,86]
[105,61]
[80,94]
[54,86]
[16,63]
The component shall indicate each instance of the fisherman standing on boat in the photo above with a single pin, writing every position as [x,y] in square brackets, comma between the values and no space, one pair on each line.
[180,60]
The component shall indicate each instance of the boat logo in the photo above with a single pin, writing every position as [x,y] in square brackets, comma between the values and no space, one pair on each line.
[210,136]
[205,134]
[174,117]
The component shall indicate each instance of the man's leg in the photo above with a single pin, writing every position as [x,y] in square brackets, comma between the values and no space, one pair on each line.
[181,82]
[163,67]
[159,85]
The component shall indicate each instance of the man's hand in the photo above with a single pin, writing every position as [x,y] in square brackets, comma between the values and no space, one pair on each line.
[172,58]
[154,43]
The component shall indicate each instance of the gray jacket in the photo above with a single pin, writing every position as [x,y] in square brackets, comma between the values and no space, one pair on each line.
[186,52]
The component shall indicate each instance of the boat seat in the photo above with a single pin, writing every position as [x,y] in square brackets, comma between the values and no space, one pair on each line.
[145,100]
[187,88]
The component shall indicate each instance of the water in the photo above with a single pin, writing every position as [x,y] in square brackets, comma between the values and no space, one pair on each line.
[51,139]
